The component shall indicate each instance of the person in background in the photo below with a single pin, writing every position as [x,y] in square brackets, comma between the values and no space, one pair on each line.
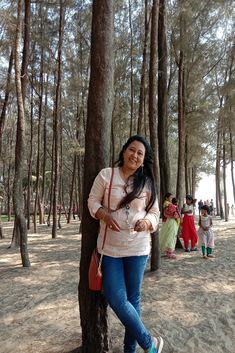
[133,215]
[205,232]
[200,204]
[228,208]
[189,233]
[166,202]
[169,230]
[232,210]
[211,208]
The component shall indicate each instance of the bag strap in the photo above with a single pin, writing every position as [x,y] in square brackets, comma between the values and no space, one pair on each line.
[109,194]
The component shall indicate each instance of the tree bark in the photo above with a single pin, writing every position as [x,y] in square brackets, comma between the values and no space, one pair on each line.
[155,250]
[20,222]
[131,73]
[92,305]
[141,116]
[56,124]
[181,132]
[4,107]
[224,179]
[164,163]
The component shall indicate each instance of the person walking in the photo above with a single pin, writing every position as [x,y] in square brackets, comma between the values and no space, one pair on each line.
[133,214]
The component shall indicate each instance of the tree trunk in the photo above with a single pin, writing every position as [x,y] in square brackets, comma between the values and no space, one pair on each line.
[131,73]
[155,251]
[30,163]
[45,206]
[181,132]
[164,163]
[56,124]
[38,167]
[71,201]
[4,107]
[232,162]
[20,222]
[186,168]
[219,207]
[92,305]
[141,116]
[224,180]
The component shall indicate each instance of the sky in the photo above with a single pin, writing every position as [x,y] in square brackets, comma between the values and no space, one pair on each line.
[206,188]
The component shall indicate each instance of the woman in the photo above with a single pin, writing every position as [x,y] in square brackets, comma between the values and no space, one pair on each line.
[133,214]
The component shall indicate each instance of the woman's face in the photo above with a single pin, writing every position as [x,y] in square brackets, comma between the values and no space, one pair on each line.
[133,156]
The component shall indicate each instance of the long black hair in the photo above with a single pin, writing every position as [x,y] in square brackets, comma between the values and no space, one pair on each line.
[143,175]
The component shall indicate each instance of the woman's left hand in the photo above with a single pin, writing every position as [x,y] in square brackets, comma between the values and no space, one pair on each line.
[142,225]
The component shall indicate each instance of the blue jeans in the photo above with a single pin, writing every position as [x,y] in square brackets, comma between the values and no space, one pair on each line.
[122,280]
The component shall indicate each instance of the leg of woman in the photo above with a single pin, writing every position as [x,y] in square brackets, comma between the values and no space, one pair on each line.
[118,294]
[185,231]
[134,267]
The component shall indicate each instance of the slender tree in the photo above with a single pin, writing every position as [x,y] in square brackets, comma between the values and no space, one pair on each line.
[20,222]
[181,115]
[164,163]
[155,251]
[56,124]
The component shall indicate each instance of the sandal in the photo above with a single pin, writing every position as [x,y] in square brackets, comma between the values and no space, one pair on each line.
[157,345]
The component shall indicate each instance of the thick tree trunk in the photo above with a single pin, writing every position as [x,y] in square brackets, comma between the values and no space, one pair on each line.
[155,251]
[92,305]
[164,163]
[20,222]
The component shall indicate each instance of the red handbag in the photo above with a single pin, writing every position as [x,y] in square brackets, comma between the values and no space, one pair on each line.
[95,273]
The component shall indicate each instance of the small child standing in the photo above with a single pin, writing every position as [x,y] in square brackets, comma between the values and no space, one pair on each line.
[205,233]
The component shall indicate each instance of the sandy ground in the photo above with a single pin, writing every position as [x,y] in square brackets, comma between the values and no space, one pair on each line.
[189,301]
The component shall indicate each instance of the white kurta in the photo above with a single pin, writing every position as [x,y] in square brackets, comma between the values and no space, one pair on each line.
[127,242]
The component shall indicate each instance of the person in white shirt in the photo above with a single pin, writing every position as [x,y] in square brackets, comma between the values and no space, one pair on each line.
[133,214]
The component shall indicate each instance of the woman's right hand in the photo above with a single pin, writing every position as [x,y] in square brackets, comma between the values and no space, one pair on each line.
[107,217]
[111,222]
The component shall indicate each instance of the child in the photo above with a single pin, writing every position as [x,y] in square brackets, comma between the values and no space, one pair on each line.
[205,233]
[169,230]
[189,232]
[166,202]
